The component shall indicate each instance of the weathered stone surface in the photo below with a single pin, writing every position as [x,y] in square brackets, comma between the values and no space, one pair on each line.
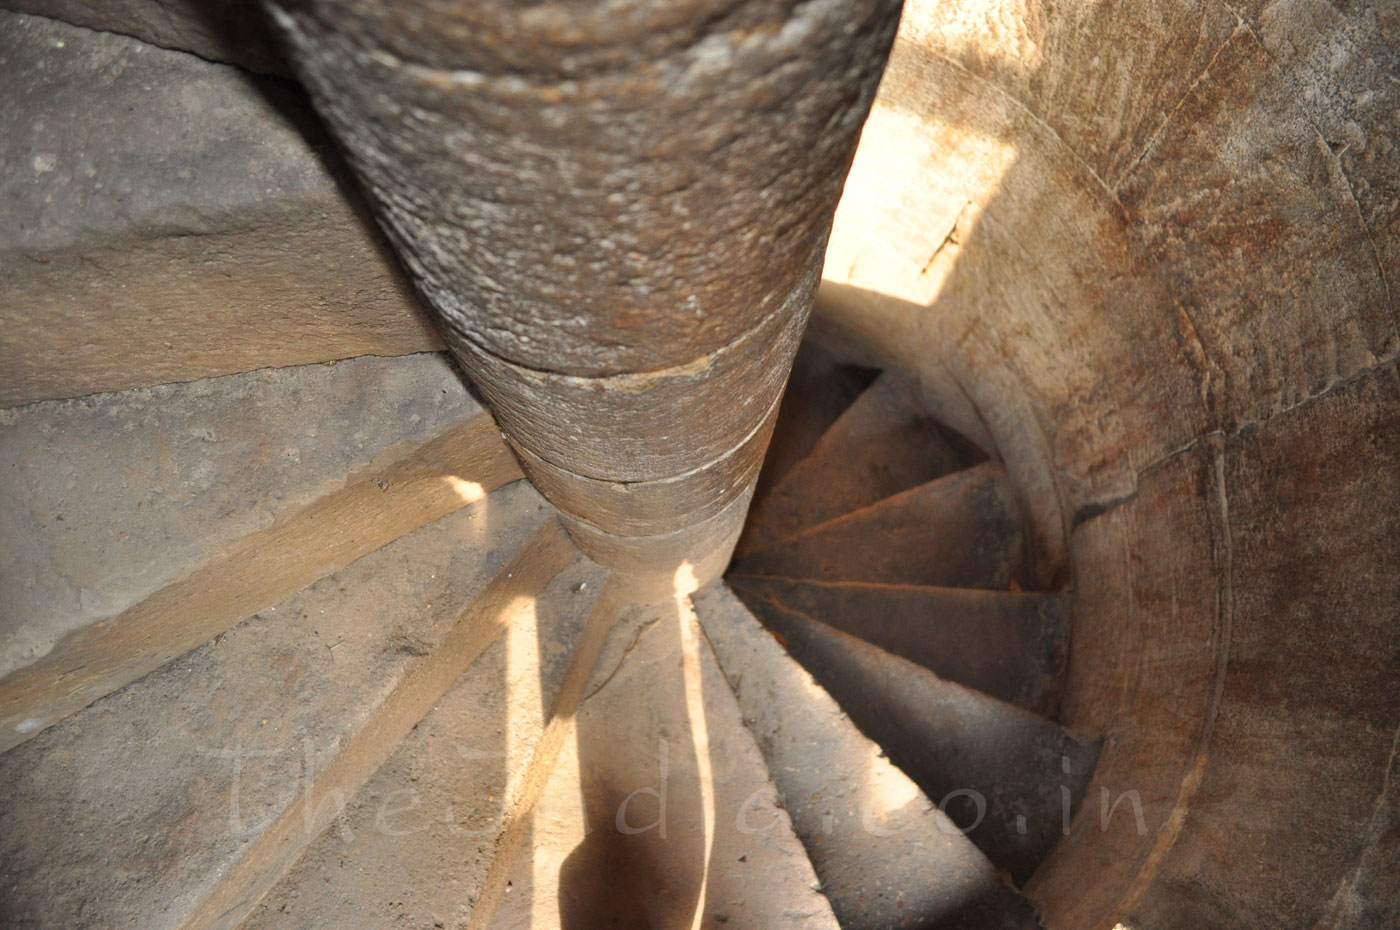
[819,389]
[1145,589]
[110,498]
[1114,241]
[646,202]
[1258,724]
[1319,309]
[886,856]
[645,508]
[145,135]
[75,655]
[998,771]
[179,800]
[167,219]
[618,215]
[1007,644]
[606,638]
[722,830]
[883,444]
[648,426]
[1324,80]
[415,844]
[664,565]
[1368,896]
[233,31]
[963,530]
[1301,751]
[1098,234]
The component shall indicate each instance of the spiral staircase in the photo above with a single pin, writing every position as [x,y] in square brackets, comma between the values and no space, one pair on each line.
[1066,597]
[879,681]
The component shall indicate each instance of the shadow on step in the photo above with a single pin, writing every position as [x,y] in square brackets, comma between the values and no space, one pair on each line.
[639,863]
[1008,777]
[662,811]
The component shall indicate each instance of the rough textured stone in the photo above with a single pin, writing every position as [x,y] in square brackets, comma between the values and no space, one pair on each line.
[963,530]
[233,31]
[1305,323]
[719,799]
[167,219]
[589,179]
[416,843]
[647,426]
[1261,714]
[1115,242]
[177,801]
[883,444]
[75,656]
[1301,750]
[886,856]
[662,565]
[1122,246]
[649,507]
[110,498]
[1150,593]
[1007,644]
[617,214]
[998,771]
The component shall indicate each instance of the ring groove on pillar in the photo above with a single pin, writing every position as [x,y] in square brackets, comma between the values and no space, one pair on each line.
[618,211]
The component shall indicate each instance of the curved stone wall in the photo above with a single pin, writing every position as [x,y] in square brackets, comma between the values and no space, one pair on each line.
[1146,253]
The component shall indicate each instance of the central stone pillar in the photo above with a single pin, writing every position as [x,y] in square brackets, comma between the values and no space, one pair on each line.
[617,212]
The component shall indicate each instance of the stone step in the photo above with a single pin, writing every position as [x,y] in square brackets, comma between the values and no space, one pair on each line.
[1010,645]
[178,801]
[141,523]
[885,854]
[164,218]
[882,444]
[818,391]
[1009,778]
[962,531]
[417,846]
[111,497]
[661,812]
[233,31]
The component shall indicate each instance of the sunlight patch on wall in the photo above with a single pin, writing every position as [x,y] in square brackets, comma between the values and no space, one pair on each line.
[913,195]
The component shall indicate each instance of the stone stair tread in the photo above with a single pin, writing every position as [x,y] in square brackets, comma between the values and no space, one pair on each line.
[231,494]
[177,800]
[112,496]
[166,218]
[669,689]
[1011,645]
[882,444]
[949,739]
[886,856]
[415,845]
[234,33]
[961,530]
[818,391]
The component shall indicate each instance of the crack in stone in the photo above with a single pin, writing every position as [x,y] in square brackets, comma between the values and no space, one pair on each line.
[622,659]
[1053,133]
[1337,916]
[1171,114]
[1336,157]
[1111,504]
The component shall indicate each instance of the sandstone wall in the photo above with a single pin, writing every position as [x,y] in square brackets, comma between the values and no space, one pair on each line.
[1144,252]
